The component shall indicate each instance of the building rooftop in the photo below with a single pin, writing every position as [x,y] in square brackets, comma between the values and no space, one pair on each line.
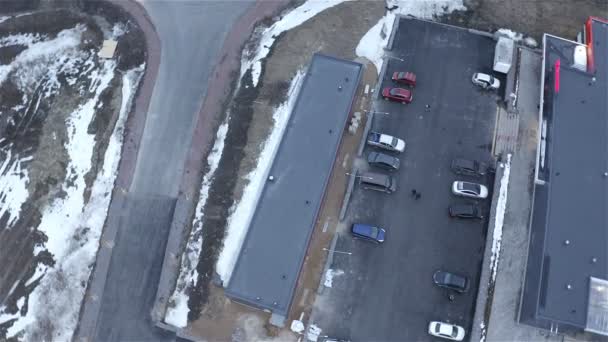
[571,207]
[268,266]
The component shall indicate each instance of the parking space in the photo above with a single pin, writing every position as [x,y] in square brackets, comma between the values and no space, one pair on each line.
[386,292]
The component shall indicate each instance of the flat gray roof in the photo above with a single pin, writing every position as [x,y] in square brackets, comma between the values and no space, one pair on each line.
[268,266]
[570,210]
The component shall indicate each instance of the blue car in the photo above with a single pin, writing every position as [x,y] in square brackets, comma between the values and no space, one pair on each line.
[367,232]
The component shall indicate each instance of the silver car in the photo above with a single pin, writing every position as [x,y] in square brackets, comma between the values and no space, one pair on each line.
[485,81]
[468,189]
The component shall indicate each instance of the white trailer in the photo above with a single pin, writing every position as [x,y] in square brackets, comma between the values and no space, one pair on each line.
[503,55]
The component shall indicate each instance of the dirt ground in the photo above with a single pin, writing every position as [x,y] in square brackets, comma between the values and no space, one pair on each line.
[37,133]
[564,18]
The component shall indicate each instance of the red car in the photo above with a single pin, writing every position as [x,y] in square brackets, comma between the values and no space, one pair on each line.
[405,77]
[397,94]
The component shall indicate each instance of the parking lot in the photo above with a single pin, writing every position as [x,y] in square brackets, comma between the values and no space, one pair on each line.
[386,292]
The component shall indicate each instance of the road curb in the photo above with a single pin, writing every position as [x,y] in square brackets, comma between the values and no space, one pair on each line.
[348,193]
[184,208]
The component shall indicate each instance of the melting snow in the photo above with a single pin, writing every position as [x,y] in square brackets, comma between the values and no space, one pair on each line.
[374,42]
[253,59]
[516,36]
[242,211]
[73,228]
[501,206]
[329,277]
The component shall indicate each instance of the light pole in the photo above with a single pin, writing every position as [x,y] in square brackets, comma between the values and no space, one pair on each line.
[334,251]
[375,112]
[356,176]
[393,57]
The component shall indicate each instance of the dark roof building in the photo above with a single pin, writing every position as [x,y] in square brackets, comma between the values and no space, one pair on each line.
[270,260]
[565,286]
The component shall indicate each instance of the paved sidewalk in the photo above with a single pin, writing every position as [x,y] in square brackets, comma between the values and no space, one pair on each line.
[504,307]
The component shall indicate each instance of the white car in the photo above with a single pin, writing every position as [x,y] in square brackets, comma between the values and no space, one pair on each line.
[468,189]
[446,330]
[485,81]
[385,141]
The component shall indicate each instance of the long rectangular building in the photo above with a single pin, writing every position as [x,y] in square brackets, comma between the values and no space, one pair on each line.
[270,260]
[566,287]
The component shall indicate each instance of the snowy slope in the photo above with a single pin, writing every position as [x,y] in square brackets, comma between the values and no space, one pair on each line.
[71,225]
[241,212]
[253,59]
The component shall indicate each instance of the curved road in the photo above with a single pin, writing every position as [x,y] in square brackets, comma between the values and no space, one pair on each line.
[191,34]
[198,39]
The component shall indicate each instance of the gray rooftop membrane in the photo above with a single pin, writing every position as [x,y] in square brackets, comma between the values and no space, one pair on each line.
[270,260]
[571,209]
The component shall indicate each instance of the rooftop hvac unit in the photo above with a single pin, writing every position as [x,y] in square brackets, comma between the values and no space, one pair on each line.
[580,58]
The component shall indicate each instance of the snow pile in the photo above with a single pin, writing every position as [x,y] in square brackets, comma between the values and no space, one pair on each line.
[374,42]
[252,59]
[484,332]
[517,37]
[242,211]
[177,313]
[73,227]
[501,206]
[329,277]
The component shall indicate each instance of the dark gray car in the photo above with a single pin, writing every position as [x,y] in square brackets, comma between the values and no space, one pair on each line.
[451,281]
[383,161]
[468,167]
[378,181]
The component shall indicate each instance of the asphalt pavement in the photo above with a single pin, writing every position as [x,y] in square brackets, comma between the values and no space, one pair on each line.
[192,34]
[386,292]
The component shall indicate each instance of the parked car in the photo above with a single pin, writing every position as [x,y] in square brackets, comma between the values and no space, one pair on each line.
[468,211]
[468,167]
[397,94]
[485,81]
[451,281]
[378,181]
[468,189]
[446,330]
[368,232]
[385,141]
[405,77]
[383,161]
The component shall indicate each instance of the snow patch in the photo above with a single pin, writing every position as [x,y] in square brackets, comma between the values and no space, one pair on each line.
[26,39]
[13,186]
[177,313]
[40,54]
[329,276]
[253,59]
[373,43]
[501,206]
[242,211]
